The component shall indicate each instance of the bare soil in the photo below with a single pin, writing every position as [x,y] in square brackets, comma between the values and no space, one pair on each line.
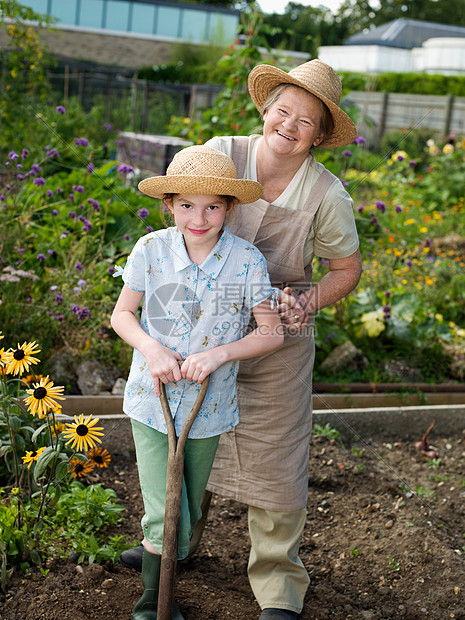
[384,539]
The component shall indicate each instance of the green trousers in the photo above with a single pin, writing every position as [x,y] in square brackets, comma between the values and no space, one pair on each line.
[152,460]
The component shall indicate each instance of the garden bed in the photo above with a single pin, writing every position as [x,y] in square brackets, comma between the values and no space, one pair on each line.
[384,539]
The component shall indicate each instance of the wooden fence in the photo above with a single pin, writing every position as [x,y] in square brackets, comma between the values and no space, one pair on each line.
[382,112]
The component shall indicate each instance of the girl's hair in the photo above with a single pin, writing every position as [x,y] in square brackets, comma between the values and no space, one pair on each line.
[168,218]
[326,121]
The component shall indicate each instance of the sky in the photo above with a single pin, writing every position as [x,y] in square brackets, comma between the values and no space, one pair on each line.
[278,6]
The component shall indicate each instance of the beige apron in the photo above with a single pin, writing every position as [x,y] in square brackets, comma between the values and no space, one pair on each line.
[264,460]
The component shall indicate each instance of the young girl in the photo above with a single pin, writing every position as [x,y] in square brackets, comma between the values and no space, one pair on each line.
[199,284]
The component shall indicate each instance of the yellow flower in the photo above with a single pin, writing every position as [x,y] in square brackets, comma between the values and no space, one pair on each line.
[423,229]
[399,154]
[31,456]
[448,148]
[83,433]
[57,428]
[373,322]
[410,221]
[99,456]
[79,469]
[433,150]
[15,491]
[41,397]
[18,360]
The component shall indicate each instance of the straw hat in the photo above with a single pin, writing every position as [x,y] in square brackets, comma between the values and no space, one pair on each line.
[317,78]
[202,170]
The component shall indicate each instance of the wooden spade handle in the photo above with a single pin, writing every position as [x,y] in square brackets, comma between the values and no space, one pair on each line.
[174,477]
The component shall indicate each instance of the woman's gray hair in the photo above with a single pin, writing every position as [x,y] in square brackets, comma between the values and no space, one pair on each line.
[326,121]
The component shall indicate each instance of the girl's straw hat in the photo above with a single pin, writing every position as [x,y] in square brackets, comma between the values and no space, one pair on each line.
[317,78]
[202,170]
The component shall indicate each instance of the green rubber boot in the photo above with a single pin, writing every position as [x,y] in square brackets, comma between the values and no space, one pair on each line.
[146,606]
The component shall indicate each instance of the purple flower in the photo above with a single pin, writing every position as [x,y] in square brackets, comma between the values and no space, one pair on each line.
[41,257]
[387,309]
[94,203]
[125,169]
[359,140]
[35,168]
[81,283]
[12,155]
[20,176]
[380,205]
[64,234]
[347,153]
[90,167]
[149,229]
[59,317]
[51,252]
[39,181]
[400,158]
[399,209]
[81,141]
[53,153]
[374,220]
[412,163]
[111,270]
[24,153]
[409,263]
[127,237]
[79,266]
[387,294]
[58,190]
[72,214]
[78,188]
[49,193]
[83,313]
[54,287]
[107,126]
[59,298]
[54,212]
[142,213]
[427,242]
[75,309]
[72,198]
[61,109]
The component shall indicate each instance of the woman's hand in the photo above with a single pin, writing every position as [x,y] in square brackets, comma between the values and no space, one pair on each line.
[291,311]
[198,366]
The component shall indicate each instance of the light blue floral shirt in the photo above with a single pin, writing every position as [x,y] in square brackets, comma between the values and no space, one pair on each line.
[190,308]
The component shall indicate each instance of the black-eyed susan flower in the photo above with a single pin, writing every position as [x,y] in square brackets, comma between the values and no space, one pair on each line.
[79,469]
[99,456]
[57,428]
[29,379]
[18,360]
[41,399]
[83,434]
[31,456]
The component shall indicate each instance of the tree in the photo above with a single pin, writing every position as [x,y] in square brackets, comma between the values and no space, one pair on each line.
[304,28]
[362,14]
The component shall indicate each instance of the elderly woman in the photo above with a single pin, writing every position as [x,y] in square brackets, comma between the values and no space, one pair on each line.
[305,211]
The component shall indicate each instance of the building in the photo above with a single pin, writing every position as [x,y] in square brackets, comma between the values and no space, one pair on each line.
[401,46]
[136,32]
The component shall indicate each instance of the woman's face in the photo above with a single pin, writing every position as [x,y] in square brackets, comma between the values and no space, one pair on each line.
[292,124]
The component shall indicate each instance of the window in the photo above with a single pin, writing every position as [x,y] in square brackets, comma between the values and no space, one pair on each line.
[194,25]
[143,18]
[168,21]
[64,11]
[91,13]
[39,6]
[117,15]
[222,28]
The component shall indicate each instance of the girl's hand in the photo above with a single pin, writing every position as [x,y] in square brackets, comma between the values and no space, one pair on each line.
[291,312]
[197,367]
[164,366]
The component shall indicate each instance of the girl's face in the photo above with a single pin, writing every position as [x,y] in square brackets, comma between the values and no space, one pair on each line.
[292,124]
[200,219]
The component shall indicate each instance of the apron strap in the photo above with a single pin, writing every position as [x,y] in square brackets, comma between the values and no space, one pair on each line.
[239,149]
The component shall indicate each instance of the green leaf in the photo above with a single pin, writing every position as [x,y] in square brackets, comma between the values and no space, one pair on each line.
[38,431]
[43,461]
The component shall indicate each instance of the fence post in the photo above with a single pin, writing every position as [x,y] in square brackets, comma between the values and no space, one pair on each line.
[448,114]
[383,115]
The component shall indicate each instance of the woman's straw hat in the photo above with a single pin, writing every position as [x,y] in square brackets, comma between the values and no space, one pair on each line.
[317,78]
[202,170]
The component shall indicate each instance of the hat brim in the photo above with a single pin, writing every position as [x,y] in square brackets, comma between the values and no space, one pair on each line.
[245,191]
[263,78]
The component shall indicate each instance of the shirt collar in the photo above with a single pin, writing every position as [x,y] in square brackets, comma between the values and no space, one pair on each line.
[217,258]
[214,262]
